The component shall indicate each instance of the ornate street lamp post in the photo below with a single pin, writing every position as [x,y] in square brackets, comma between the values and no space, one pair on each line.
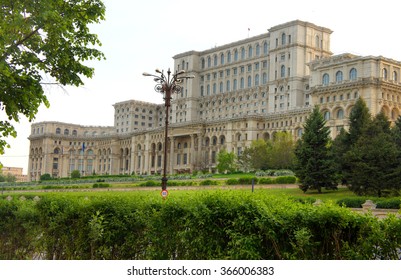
[167,85]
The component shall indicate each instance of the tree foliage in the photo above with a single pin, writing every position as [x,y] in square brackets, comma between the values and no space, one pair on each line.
[281,151]
[374,160]
[226,161]
[43,42]
[314,159]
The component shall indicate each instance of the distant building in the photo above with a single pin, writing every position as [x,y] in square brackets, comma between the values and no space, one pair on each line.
[15,171]
[242,91]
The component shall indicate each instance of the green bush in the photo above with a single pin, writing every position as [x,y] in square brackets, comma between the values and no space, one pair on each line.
[285,180]
[232,182]
[210,225]
[266,181]
[208,183]
[101,185]
[389,203]
[352,202]
[247,180]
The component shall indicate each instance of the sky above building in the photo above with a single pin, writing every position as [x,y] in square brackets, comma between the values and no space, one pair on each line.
[140,36]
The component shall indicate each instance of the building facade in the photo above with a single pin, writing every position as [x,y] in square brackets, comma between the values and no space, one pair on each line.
[242,91]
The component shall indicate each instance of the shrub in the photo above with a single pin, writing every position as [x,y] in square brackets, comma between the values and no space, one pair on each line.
[75,174]
[209,183]
[101,185]
[45,177]
[285,180]
[352,202]
[247,180]
[391,203]
[266,181]
[232,181]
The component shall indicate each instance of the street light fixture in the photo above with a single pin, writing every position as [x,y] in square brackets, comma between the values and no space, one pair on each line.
[167,85]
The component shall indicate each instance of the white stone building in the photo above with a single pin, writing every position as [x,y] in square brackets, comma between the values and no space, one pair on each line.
[242,91]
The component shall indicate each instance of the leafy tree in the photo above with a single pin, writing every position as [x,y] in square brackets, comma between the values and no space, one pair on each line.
[281,151]
[75,174]
[256,156]
[314,160]
[45,177]
[374,160]
[43,38]
[226,161]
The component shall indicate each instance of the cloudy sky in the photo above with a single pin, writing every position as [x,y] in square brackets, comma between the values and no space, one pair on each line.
[140,36]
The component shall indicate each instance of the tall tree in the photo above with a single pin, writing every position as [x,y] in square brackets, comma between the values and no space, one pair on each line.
[359,119]
[281,151]
[43,38]
[314,160]
[225,161]
[374,160]
[256,156]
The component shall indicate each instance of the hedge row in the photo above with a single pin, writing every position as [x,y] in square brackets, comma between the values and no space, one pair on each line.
[210,225]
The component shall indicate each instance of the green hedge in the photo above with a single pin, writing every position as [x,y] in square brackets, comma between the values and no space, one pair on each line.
[209,225]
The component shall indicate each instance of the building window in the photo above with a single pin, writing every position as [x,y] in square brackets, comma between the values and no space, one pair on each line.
[353,74]
[384,73]
[249,81]
[185,159]
[250,52]
[395,76]
[209,62]
[257,50]
[58,130]
[317,40]
[283,39]
[340,114]
[282,71]
[339,76]
[326,115]
[256,79]
[235,55]
[242,53]
[222,59]
[229,57]
[265,48]
[242,83]
[215,60]
[326,79]
[228,86]
[235,84]
[264,78]
[221,87]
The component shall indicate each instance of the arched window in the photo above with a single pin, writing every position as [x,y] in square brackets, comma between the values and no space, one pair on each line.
[208,89]
[395,76]
[214,88]
[229,57]
[326,79]
[56,151]
[215,60]
[339,76]
[228,85]
[203,63]
[384,73]
[74,133]
[221,87]
[340,114]
[222,59]
[66,131]
[249,81]
[264,78]
[235,86]
[58,130]
[317,41]
[265,48]
[283,39]
[209,62]
[250,52]
[235,55]
[353,74]
[256,79]
[282,71]
[257,50]
[242,83]
[326,115]
[242,53]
